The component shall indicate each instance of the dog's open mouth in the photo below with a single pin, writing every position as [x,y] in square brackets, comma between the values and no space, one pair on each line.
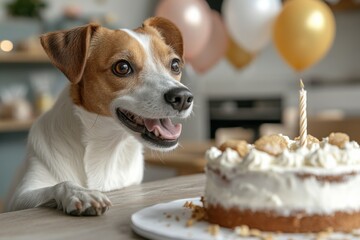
[161,132]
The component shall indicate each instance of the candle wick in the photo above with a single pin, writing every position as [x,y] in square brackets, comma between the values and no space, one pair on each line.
[301,84]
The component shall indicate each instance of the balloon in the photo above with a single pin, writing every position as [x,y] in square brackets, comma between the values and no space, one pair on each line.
[304,32]
[192,18]
[215,47]
[249,22]
[237,56]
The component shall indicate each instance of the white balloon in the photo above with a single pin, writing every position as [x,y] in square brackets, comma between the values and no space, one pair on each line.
[249,22]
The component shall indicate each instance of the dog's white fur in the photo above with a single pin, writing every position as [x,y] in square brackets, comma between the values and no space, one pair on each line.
[71,150]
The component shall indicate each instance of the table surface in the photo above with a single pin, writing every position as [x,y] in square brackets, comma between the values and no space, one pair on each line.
[44,223]
[188,158]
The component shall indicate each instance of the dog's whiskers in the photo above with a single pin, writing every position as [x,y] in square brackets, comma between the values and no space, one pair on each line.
[158,155]
[97,116]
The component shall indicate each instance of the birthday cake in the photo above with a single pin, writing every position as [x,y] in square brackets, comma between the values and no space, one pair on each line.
[276,184]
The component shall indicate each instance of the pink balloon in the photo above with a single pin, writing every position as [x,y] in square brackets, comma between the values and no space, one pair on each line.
[215,47]
[192,18]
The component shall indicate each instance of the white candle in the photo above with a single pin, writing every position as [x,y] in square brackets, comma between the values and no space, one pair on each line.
[303,118]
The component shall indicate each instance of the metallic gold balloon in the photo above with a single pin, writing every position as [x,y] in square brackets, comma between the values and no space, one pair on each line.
[237,56]
[303,32]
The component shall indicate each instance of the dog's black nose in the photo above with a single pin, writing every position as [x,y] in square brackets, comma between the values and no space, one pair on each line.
[179,98]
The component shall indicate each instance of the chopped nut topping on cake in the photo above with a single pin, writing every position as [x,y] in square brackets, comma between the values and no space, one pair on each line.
[240,146]
[310,140]
[272,144]
[339,139]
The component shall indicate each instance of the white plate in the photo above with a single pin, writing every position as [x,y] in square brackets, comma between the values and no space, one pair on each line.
[166,221]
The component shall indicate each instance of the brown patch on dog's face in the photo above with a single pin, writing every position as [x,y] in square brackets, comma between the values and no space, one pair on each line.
[68,50]
[99,85]
[162,53]
[168,32]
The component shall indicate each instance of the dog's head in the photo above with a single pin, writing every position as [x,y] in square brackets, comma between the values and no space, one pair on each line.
[132,76]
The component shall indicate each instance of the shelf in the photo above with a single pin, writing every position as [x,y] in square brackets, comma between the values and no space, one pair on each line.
[23,57]
[15,125]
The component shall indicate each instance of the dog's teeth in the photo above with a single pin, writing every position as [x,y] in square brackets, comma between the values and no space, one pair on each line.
[138,120]
[156,132]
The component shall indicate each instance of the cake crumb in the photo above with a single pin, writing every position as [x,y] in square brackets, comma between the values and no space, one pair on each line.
[267,237]
[177,218]
[198,212]
[255,232]
[243,230]
[329,230]
[188,204]
[189,222]
[322,235]
[202,200]
[168,216]
[355,233]
[213,229]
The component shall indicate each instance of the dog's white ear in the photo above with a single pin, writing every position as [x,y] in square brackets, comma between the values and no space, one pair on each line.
[169,31]
[69,49]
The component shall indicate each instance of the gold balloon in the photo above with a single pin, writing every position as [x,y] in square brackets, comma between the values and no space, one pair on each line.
[237,56]
[303,32]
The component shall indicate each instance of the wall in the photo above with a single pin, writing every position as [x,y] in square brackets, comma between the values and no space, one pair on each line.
[128,14]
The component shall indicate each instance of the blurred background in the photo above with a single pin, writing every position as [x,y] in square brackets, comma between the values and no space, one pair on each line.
[244,61]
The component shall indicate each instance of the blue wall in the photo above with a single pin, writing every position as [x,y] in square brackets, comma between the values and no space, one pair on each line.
[13,144]
[12,154]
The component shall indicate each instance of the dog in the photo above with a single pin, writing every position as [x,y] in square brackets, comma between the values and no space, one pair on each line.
[124,90]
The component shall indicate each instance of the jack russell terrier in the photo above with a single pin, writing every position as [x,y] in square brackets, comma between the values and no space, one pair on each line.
[125,88]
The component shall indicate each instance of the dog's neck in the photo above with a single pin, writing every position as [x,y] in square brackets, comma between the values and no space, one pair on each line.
[105,144]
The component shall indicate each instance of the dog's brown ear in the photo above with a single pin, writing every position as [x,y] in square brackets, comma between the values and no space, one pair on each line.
[69,49]
[169,31]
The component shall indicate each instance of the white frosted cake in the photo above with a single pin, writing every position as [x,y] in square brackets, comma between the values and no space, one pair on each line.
[276,185]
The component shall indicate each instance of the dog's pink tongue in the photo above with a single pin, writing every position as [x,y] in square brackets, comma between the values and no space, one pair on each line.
[165,127]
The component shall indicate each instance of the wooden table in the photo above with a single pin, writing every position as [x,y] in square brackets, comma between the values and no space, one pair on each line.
[188,158]
[44,223]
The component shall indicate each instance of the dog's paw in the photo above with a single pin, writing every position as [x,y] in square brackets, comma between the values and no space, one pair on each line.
[78,201]
[87,203]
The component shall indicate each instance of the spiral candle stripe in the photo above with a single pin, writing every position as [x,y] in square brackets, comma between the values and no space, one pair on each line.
[303,118]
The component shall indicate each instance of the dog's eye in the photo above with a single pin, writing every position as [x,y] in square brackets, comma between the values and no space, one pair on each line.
[175,65]
[122,68]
